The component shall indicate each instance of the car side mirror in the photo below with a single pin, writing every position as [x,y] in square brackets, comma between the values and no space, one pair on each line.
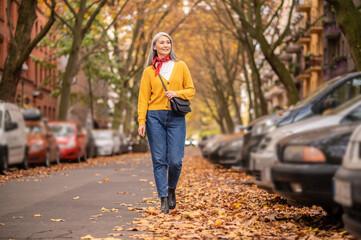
[11,126]
[327,104]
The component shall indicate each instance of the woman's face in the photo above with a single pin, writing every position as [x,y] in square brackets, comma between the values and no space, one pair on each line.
[163,46]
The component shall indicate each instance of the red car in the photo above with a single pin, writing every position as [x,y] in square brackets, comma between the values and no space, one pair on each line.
[71,140]
[42,146]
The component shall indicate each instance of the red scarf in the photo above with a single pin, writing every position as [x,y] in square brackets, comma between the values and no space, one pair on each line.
[159,62]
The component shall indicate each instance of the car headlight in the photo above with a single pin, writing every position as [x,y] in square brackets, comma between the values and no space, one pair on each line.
[237,143]
[303,154]
[264,128]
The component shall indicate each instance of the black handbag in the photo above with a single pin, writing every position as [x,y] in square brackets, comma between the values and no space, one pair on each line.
[178,105]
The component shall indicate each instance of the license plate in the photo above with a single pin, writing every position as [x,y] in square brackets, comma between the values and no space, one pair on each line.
[342,192]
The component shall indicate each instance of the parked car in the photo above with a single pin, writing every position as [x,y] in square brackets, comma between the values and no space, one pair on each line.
[307,163]
[228,154]
[212,146]
[254,133]
[107,142]
[12,137]
[347,185]
[329,95]
[41,144]
[265,157]
[222,142]
[71,140]
[204,140]
[209,145]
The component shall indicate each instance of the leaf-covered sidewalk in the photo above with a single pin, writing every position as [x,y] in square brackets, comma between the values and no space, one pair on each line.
[217,203]
[213,203]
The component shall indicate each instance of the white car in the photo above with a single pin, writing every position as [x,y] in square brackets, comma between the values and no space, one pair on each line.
[107,142]
[347,185]
[12,137]
[265,156]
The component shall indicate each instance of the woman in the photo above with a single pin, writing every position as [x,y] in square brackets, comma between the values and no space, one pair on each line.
[166,131]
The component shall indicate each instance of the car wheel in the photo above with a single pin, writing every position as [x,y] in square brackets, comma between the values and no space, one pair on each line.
[25,165]
[4,164]
[47,159]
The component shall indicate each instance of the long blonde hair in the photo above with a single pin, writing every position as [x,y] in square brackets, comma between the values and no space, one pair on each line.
[153,53]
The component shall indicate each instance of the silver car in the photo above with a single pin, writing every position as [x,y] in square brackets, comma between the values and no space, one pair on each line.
[107,142]
[265,156]
[347,185]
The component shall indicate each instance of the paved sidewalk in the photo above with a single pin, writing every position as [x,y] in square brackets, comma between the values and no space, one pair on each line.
[75,203]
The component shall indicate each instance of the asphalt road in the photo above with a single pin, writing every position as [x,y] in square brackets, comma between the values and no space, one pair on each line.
[77,197]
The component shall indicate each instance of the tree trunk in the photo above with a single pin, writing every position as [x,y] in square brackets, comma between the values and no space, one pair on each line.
[256,80]
[348,18]
[224,110]
[70,72]
[237,107]
[245,72]
[14,60]
[280,69]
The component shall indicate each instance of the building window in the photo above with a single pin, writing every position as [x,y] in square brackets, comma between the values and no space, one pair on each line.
[45,112]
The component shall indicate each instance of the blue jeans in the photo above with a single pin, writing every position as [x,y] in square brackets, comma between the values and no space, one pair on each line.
[166,135]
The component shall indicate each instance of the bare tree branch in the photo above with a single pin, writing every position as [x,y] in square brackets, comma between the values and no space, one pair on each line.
[285,31]
[104,33]
[93,16]
[11,26]
[42,33]
[184,18]
[70,8]
[92,4]
[60,18]
[274,15]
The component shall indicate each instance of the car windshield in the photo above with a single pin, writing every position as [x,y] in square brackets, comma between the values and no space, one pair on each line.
[103,135]
[318,90]
[34,129]
[62,130]
[344,106]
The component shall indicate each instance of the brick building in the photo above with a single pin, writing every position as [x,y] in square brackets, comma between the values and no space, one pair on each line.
[37,81]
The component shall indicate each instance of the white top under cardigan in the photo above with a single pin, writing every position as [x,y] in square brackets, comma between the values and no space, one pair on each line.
[167,69]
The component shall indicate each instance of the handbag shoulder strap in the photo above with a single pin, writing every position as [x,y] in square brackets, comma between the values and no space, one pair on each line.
[163,83]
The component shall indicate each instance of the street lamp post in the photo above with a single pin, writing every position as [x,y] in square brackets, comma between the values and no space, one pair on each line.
[24,68]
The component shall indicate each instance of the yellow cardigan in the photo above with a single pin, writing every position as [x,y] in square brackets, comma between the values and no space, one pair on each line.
[151,92]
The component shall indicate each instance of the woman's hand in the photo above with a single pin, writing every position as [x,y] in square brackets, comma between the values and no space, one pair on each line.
[170,94]
[141,130]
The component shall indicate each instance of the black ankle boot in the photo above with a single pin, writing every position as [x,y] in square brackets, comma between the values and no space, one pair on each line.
[171,198]
[164,204]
